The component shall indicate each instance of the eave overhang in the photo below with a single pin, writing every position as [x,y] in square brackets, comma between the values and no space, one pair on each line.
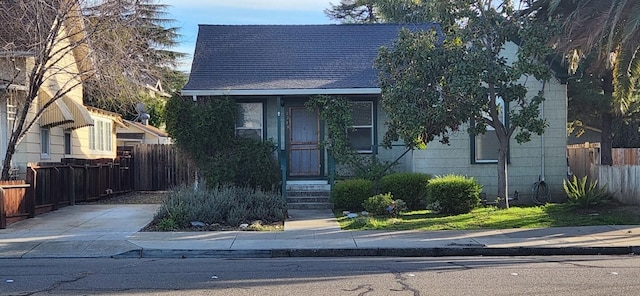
[280,92]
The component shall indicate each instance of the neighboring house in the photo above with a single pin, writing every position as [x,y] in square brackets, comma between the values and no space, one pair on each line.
[584,134]
[133,133]
[272,70]
[67,128]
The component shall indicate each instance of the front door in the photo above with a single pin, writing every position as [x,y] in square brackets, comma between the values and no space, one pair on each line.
[304,142]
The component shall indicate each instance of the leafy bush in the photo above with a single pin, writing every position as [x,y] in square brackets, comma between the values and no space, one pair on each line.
[454,194]
[378,204]
[410,187]
[248,163]
[370,167]
[224,205]
[585,195]
[350,194]
[205,130]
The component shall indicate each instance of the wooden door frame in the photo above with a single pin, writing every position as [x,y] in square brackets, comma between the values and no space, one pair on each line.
[289,123]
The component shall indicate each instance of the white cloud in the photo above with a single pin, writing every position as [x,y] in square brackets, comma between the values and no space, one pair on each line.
[291,5]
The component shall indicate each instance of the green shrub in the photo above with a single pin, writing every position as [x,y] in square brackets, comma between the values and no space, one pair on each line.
[585,195]
[224,205]
[370,168]
[249,163]
[410,187]
[167,224]
[378,204]
[350,194]
[454,194]
[205,130]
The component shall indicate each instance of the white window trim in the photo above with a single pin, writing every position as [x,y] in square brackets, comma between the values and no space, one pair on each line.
[370,126]
[68,132]
[261,128]
[503,112]
[100,136]
[45,149]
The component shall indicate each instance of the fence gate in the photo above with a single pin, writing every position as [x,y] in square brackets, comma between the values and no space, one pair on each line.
[159,167]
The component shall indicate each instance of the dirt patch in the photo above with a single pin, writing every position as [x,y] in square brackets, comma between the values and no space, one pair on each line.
[138,197]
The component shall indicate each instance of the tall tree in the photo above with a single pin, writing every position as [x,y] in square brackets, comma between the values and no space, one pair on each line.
[399,11]
[37,40]
[429,90]
[353,11]
[601,39]
[145,24]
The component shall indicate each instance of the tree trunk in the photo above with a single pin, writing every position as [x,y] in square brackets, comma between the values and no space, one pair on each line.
[606,139]
[503,176]
[606,117]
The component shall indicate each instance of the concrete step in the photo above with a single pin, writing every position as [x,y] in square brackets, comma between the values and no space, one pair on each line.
[308,193]
[308,199]
[310,205]
[308,187]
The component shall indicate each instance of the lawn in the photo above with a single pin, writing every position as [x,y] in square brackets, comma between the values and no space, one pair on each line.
[551,215]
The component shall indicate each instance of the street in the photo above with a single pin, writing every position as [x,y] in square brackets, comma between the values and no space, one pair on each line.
[572,275]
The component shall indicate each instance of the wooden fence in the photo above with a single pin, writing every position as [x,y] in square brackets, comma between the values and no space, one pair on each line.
[49,186]
[14,202]
[160,167]
[622,179]
[582,157]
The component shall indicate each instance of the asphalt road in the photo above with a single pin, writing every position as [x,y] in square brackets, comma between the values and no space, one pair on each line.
[576,275]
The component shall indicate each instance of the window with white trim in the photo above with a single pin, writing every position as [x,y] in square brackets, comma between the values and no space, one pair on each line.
[6,127]
[100,135]
[45,147]
[361,134]
[486,145]
[67,142]
[249,121]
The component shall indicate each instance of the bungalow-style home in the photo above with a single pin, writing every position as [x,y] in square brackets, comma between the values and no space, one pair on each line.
[133,132]
[272,70]
[67,128]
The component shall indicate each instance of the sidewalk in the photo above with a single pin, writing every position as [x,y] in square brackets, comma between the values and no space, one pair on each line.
[89,231]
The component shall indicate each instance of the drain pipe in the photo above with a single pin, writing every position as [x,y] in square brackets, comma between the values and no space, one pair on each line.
[542,153]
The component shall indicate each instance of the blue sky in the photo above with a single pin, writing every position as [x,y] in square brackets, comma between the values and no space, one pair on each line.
[190,13]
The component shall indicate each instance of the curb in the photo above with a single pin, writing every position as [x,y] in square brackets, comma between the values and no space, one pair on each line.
[381,252]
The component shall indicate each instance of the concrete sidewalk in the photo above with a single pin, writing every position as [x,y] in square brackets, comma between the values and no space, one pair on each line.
[89,231]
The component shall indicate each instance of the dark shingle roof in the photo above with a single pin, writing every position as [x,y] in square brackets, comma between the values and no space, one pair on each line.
[276,57]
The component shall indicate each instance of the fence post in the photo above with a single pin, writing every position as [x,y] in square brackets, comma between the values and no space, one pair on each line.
[85,186]
[3,214]
[72,185]
[31,192]
[54,178]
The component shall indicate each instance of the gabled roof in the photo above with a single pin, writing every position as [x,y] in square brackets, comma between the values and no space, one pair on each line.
[147,128]
[289,59]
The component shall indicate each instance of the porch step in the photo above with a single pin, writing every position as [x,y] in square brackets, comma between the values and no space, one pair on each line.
[308,187]
[308,199]
[310,206]
[309,196]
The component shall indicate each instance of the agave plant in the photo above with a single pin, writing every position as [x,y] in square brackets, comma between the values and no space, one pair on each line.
[585,194]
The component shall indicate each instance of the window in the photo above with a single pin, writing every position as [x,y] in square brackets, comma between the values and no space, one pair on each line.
[6,127]
[249,120]
[485,146]
[361,136]
[44,143]
[67,142]
[100,135]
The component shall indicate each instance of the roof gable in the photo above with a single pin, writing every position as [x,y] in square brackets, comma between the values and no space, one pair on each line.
[290,57]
